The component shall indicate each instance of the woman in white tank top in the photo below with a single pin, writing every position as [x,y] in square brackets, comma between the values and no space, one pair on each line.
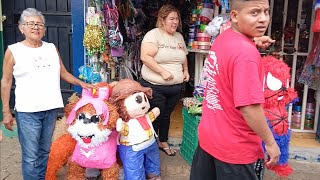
[37,69]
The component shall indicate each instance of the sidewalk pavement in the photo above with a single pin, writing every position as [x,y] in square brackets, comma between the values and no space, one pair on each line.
[304,161]
[172,168]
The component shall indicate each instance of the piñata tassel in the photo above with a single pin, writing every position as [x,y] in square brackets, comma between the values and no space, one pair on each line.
[283,170]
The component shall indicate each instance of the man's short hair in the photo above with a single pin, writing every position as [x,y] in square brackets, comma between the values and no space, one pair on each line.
[238,4]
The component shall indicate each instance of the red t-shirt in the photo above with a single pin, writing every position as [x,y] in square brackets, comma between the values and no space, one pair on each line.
[234,78]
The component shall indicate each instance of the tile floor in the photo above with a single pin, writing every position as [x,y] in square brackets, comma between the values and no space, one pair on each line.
[297,139]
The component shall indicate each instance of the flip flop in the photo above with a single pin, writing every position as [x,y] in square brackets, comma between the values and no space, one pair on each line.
[166,149]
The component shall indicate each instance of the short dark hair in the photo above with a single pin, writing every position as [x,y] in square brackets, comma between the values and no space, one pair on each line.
[237,4]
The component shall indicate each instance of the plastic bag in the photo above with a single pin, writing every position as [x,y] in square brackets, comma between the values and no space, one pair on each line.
[88,75]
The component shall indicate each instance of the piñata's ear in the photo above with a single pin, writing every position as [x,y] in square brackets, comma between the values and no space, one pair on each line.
[73,100]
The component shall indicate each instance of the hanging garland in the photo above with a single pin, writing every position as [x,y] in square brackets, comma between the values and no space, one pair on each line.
[94,39]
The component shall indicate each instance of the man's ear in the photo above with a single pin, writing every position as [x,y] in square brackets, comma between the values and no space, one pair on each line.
[234,16]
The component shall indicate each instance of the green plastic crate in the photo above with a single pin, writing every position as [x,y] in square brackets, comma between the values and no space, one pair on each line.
[190,135]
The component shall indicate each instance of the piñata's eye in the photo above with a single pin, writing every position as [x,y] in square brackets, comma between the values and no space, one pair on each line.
[81,116]
[273,83]
[139,99]
[95,119]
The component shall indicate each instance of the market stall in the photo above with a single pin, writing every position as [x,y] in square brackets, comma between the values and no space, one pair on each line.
[290,26]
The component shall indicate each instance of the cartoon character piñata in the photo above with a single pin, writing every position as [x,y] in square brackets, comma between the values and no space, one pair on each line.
[277,95]
[138,148]
[92,138]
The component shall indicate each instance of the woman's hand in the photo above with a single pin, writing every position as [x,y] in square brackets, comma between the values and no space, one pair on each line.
[186,75]
[166,75]
[263,42]
[85,85]
[8,120]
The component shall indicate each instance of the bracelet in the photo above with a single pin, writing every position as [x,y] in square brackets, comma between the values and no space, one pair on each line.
[151,116]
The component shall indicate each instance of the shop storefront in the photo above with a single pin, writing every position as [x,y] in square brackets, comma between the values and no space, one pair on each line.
[291,27]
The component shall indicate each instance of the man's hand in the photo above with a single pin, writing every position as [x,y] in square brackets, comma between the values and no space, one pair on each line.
[273,152]
[263,42]
[8,120]
[254,116]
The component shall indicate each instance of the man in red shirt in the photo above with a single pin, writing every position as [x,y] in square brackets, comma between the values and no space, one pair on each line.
[233,123]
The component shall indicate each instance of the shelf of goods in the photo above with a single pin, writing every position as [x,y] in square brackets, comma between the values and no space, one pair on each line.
[291,27]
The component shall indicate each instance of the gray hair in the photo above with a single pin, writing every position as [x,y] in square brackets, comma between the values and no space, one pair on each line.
[30,12]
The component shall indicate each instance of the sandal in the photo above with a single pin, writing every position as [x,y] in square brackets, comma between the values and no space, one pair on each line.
[166,150]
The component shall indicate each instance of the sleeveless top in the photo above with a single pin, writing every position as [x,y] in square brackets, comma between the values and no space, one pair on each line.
[172,53]
[37,77]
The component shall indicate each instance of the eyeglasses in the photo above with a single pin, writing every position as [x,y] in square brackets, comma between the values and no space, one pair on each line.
[32,25]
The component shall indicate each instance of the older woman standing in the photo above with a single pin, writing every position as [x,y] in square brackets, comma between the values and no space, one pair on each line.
[37,68]
[165,68]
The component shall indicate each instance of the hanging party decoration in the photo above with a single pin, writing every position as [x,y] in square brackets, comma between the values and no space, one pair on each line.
[94,39]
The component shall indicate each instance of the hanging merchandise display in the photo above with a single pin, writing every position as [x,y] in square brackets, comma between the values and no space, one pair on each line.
[311,71]
[112,23]
[114,30]
[94,41]
[112,40]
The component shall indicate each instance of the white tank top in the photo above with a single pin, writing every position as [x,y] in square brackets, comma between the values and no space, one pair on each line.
[37,77]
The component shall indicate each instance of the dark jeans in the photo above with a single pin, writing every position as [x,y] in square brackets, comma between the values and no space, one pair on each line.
[165,97]
[206,167]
